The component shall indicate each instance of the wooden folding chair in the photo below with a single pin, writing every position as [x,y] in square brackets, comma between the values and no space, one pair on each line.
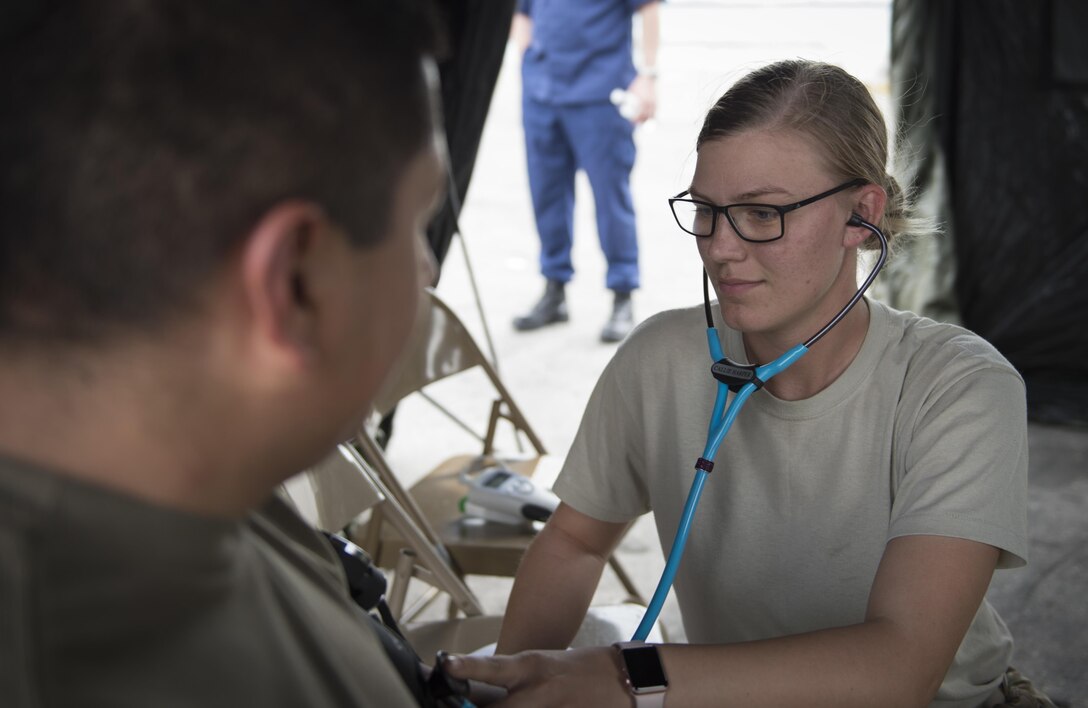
[343,486]
[442,347]
[335,492]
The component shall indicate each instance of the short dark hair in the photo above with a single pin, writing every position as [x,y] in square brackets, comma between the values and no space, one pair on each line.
[140,140]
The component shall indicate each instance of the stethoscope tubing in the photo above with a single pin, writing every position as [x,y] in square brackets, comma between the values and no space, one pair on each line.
[721,420]
[720,425]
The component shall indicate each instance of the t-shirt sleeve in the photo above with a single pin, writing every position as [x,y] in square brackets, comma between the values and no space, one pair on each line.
[602,476]
[964,469]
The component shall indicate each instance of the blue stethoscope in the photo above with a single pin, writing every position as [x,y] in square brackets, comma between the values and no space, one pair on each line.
[743,380]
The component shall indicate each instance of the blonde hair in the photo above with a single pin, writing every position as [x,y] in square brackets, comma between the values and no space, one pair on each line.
[833,108]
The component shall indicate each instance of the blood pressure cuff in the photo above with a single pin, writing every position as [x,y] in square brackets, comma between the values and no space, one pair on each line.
[405,661]
[366,585]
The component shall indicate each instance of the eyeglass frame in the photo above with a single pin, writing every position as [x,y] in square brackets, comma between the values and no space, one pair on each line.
[782,210]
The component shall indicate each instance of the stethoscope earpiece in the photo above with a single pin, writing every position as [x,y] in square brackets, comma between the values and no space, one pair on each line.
[855,220]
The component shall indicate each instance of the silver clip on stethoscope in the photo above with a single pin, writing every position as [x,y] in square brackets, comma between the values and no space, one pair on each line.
[743,380]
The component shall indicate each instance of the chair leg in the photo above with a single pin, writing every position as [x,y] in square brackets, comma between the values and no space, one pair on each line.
[492,426]
[371,538]
[422,539]
[398,592]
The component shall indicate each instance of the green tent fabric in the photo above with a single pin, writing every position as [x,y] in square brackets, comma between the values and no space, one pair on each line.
[993,104]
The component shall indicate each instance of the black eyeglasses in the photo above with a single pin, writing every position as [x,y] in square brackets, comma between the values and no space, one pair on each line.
[757,223]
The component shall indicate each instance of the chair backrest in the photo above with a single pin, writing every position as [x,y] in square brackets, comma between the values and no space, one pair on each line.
[334,492]
[441,346]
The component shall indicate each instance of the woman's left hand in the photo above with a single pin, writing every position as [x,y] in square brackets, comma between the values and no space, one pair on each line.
[578,677]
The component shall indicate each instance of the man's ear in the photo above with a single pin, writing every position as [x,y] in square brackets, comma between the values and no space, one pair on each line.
[275,275]
[868,204]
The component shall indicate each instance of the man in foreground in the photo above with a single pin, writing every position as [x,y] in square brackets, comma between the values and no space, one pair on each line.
[210,254]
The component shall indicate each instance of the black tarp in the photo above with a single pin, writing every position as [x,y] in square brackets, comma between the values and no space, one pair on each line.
[997,92]
[477,34]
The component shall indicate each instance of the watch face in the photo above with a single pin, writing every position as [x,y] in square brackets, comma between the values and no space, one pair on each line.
[644,668]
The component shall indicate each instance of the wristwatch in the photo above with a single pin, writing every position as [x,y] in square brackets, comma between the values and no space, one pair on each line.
[644,673]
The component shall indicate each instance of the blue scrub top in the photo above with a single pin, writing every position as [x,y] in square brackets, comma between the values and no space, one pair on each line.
[580,50]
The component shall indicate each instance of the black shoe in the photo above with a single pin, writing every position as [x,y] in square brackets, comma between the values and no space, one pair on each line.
[621,321]
[551,308]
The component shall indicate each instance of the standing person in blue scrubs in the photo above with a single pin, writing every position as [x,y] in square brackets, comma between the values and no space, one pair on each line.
[576,53]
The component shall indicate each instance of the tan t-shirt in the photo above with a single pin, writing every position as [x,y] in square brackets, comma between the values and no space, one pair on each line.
[925,433]
[107,601]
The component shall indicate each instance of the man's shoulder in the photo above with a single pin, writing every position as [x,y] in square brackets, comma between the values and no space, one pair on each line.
[124,584]
[28,494]
[27,497]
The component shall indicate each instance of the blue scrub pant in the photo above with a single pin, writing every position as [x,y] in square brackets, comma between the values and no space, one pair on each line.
[560,140]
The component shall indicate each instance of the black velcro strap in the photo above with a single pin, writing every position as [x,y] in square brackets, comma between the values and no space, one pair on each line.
[704,464]
[366,584]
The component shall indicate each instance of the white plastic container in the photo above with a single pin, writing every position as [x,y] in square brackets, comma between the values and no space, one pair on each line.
[626,102]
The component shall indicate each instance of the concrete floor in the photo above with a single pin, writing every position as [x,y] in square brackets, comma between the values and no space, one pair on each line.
[1046,603]
[551,372]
